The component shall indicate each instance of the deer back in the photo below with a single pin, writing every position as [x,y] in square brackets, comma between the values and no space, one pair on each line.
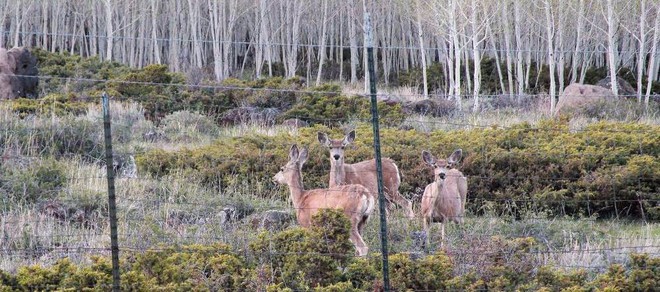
[354,200]
[364,173]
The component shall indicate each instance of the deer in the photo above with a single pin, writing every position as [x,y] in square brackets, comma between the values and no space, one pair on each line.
[354,200]
[364,172]
[444,199]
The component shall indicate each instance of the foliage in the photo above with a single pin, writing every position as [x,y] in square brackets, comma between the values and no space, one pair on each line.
[428,273]
[329,108]
[215,267]
[548,167]
[308,258]
[31,183]
[54,103]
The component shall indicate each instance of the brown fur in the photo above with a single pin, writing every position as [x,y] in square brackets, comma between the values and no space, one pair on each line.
[364,172]
[354,200]
[444,199]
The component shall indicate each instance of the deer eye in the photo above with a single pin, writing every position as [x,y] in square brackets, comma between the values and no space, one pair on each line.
[342,147]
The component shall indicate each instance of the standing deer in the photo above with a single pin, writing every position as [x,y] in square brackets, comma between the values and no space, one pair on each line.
[364,173]
[355,200]
[444,199]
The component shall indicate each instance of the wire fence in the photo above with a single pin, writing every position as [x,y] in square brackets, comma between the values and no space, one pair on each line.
[159,214]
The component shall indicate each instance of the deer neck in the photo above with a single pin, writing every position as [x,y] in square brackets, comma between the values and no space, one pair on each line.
[337,172]
[296,189]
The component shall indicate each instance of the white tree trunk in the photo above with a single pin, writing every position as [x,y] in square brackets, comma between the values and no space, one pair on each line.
[109,30]
[322,39]
[420,38]
[519,50]
[457,55]
[154,32]
[653,70]
[352,35]
[641,54]
[577,54]
[508,47]
[551,58]
[611,46]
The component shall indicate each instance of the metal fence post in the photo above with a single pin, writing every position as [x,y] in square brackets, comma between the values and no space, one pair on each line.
[112,205]
[379,166]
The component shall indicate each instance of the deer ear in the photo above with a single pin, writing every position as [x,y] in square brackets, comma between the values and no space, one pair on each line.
[323,138]
[293,153]
[350,137]
[455,157]
[303,156]
[428,158]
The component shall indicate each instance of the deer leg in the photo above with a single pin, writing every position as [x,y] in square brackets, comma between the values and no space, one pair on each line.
[360,246]
[363,221]
[442,234]
[425,226]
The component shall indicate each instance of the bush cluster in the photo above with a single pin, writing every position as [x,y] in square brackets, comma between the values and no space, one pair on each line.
[320,259]
[607,168]
[161,92]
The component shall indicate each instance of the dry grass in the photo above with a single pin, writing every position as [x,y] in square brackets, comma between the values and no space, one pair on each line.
[177,209]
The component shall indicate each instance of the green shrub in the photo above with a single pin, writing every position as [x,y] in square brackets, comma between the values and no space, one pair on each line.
[361,273]
[304,258]
[428,273]
[332,109]
[185,126]
[36,182]
[213,267]
[607,167]
[54,103]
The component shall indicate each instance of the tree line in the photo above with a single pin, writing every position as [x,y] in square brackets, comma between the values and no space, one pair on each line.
[257,38]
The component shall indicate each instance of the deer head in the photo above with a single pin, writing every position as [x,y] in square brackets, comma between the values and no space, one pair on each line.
[336,146]
[292,167]
[441,166]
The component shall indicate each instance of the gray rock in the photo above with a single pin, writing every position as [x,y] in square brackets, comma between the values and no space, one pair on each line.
[272,220]
[624,88]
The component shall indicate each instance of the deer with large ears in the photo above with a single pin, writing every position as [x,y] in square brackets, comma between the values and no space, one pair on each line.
[364,173]
[355,200]
[444,199]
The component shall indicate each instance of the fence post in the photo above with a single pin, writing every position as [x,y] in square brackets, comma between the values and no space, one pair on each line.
[112,205]
[379,167]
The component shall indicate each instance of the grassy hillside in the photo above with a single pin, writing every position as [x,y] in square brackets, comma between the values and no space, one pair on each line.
[553,202]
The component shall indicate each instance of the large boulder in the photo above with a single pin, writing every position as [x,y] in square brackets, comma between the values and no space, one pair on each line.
[249,115]
[624,88]
[273,220]
[432,107]
[17,66]
[577,96]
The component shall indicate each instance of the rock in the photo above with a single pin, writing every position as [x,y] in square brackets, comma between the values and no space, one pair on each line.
[272,220]
[17,65]
[248,114]
[233,213]
[124,166]
[295,123]
[577,96]
[432,107]
[54,209]
[624,88]
[154,135]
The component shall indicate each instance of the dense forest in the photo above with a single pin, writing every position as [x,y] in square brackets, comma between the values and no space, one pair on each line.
[322,40]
